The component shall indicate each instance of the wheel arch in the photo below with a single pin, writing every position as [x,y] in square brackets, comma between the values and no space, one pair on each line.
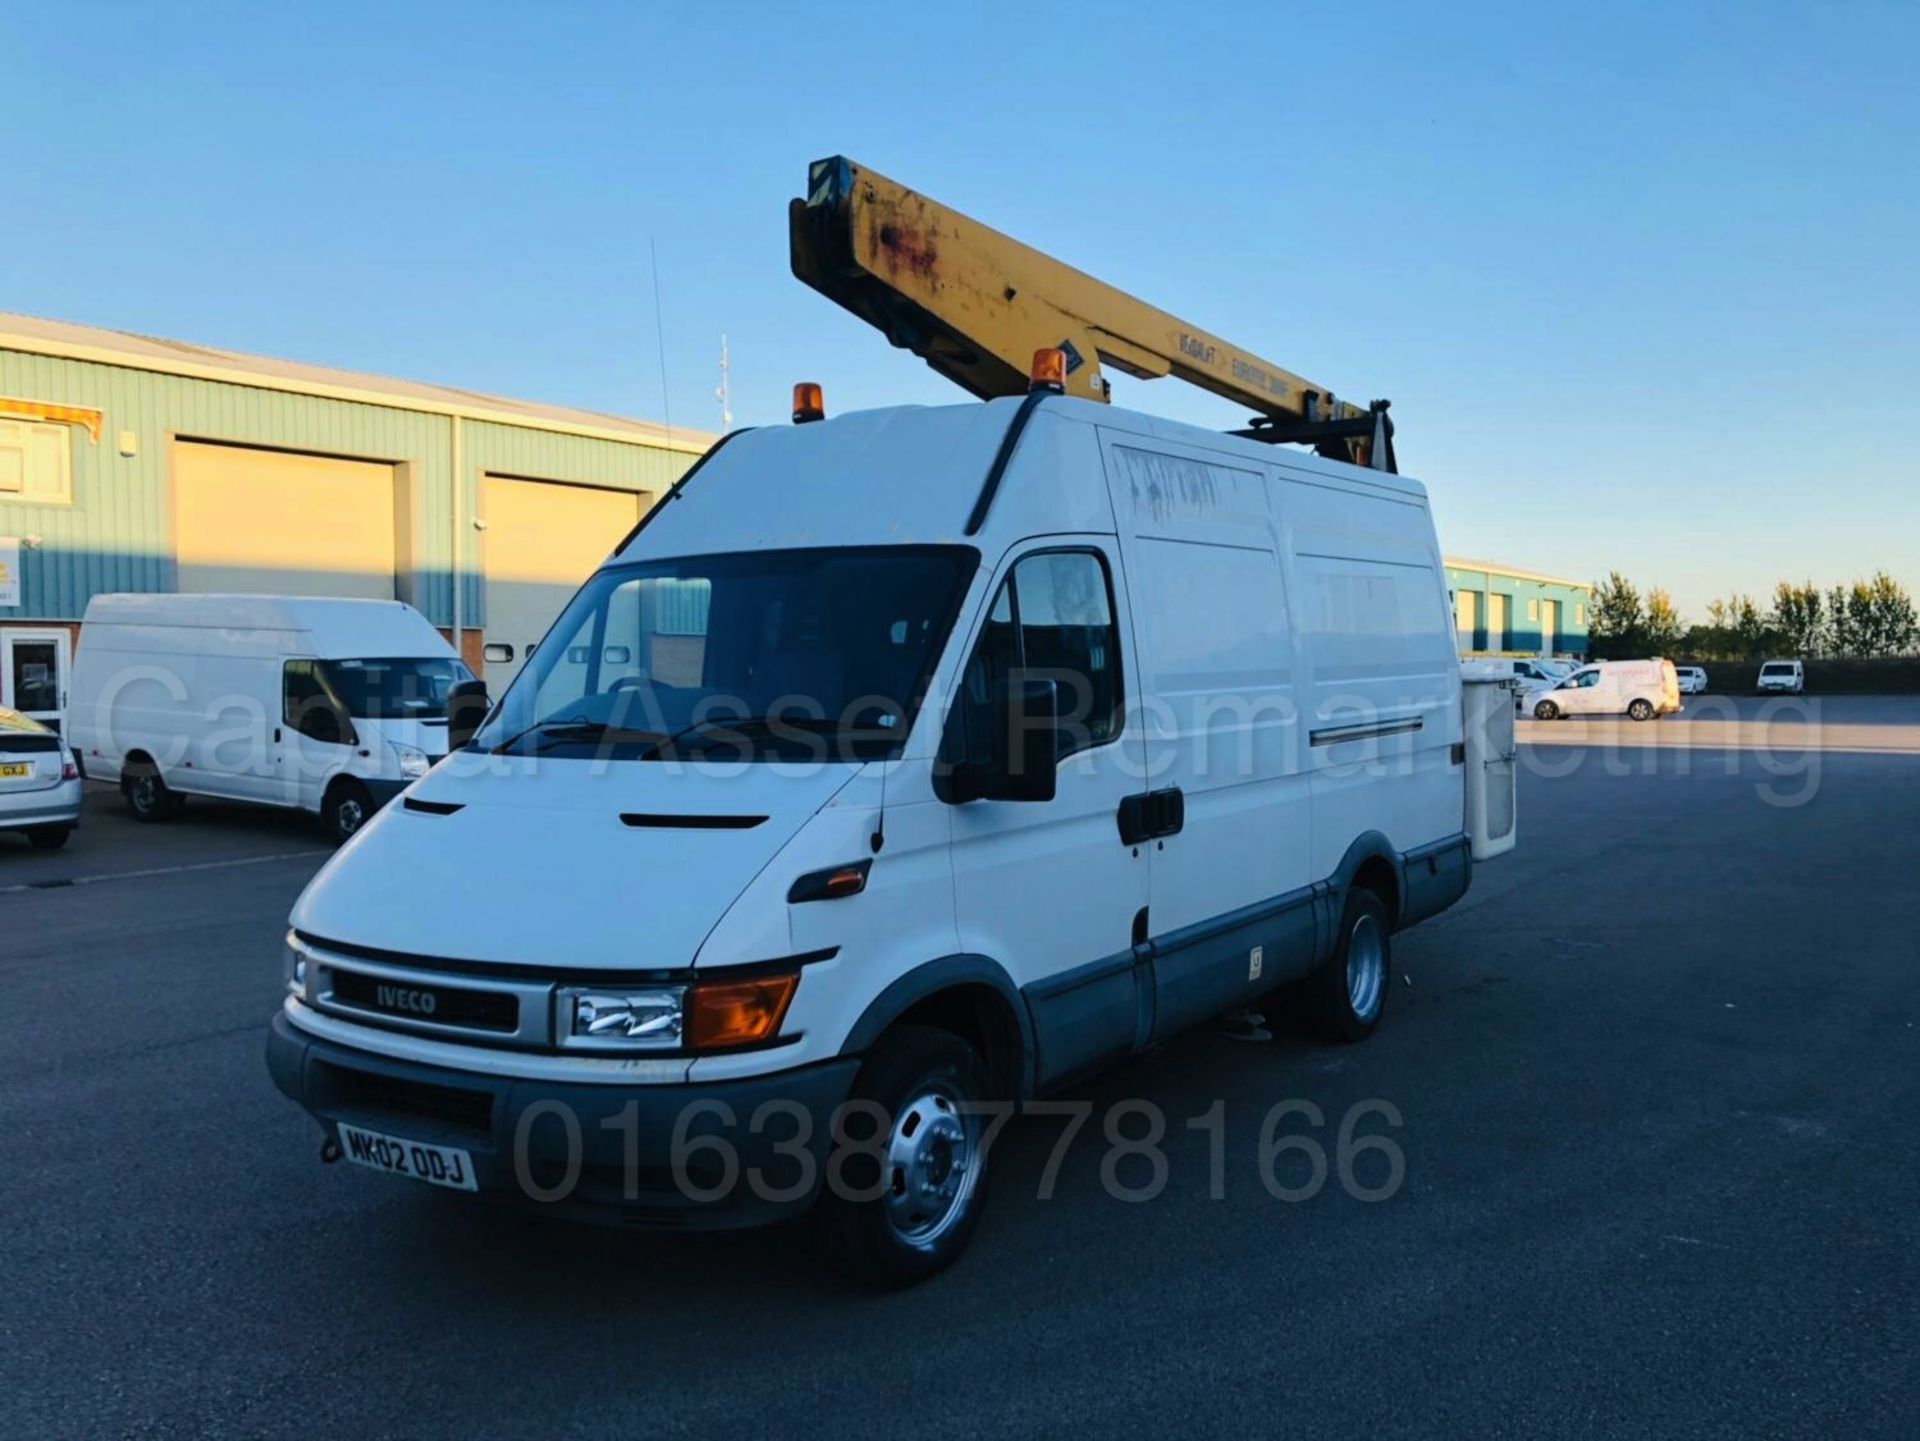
[973,997]
[1371,861]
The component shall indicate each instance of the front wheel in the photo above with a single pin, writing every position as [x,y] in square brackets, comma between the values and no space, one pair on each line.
[909,1178]
[347,808]
[1546,710]
[1348,995]
[1641,710]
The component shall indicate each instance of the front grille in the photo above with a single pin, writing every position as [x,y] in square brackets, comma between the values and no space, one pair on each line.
[433,1002]
[467,1112]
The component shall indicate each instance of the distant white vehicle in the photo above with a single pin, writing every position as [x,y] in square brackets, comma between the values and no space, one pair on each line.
[1638,689]
[39,783]
[1693,680]
[324,704]
[1528,670]
[1782,677]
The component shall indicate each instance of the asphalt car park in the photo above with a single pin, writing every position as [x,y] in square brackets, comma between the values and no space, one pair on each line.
[1654,1082]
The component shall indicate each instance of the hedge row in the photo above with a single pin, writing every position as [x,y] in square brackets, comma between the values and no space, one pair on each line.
[1899,675]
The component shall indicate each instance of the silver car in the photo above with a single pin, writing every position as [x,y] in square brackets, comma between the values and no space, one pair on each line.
[39,782]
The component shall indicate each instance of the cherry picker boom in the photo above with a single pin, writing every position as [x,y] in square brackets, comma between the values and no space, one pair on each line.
[976,305]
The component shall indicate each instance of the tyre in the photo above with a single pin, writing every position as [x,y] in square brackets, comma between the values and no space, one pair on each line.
[1347,996]
[348,806]
[49,838]
[147,795]
[903,1195]
[1546,710]
[1640,710]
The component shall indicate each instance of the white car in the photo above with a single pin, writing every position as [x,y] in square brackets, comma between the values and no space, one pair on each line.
[1637,689]
[1782,677]
[1693,680]
[328,705]
[787,811]
[40,786]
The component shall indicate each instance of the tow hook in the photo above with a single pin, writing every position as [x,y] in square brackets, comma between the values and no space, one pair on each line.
[329,1151]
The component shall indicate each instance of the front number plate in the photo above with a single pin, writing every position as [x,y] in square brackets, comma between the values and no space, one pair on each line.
[398,1156]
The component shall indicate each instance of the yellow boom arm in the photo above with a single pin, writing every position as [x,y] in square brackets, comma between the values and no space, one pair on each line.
[976,304]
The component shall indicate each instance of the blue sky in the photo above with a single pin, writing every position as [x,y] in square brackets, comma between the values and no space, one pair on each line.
[1643,282]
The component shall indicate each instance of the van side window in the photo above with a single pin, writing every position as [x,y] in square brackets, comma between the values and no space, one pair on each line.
[1052,620]
[308,706]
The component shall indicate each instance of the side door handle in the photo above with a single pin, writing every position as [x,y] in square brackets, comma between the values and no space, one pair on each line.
[1152,815]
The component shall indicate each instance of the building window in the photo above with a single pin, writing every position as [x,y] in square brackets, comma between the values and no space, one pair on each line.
[1579,615]
[1533,609]
[36,461]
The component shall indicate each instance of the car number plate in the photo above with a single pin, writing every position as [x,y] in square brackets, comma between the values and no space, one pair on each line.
[15,772]
[398,1156]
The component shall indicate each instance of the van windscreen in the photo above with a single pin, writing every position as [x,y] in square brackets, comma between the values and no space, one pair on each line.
[756,655]
[394,688]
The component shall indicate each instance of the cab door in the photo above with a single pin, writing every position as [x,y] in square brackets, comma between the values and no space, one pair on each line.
[1048,889]
[1582,693]
[313,740]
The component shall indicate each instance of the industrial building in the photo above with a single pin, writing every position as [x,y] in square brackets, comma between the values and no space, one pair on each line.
[134,464]
[1499,610]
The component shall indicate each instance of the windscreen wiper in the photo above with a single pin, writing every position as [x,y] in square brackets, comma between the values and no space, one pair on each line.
[744,726]
[562,728]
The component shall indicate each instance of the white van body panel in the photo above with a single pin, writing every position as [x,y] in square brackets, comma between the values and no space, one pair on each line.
[1286,658]
[196,683]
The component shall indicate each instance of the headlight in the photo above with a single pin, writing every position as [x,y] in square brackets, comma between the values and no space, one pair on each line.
[639,1020]
[294,967]
[412,760]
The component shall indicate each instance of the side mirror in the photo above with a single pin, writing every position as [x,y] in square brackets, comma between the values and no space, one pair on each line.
[1023,745]
[467,707]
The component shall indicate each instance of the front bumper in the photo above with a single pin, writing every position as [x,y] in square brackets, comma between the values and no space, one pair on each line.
[742,1161]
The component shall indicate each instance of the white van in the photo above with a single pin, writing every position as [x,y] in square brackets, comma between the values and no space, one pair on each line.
[328,705]
[924,759]
[1639,689]
[1782,677]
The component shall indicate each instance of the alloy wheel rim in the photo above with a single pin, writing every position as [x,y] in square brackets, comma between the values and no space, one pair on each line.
[1366,967]
[351,814]
[932,1167]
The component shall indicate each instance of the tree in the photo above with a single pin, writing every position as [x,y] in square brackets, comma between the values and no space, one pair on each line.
[1749,627]
[1615,621]
[1882,615]
[1662,627]
[1841,636]
[1799,615]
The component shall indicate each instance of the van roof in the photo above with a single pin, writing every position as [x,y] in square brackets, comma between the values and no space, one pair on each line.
[337,627]
[911,474]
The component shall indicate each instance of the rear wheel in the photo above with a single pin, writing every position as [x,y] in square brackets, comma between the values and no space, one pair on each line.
[1347,996]
[147,795]
[49,838]
[1641,709]
[909,1179]
[1546,710]
[348,807]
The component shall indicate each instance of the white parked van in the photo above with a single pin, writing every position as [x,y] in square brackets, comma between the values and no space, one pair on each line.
[1782,677]
[1640,689]
[923,759]
[328,705]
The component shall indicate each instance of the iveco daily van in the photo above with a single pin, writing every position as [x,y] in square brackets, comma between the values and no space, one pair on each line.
[898,767]
[328,705]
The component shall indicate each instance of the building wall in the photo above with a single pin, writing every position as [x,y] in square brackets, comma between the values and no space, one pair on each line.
[1526,600]
[116,534]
